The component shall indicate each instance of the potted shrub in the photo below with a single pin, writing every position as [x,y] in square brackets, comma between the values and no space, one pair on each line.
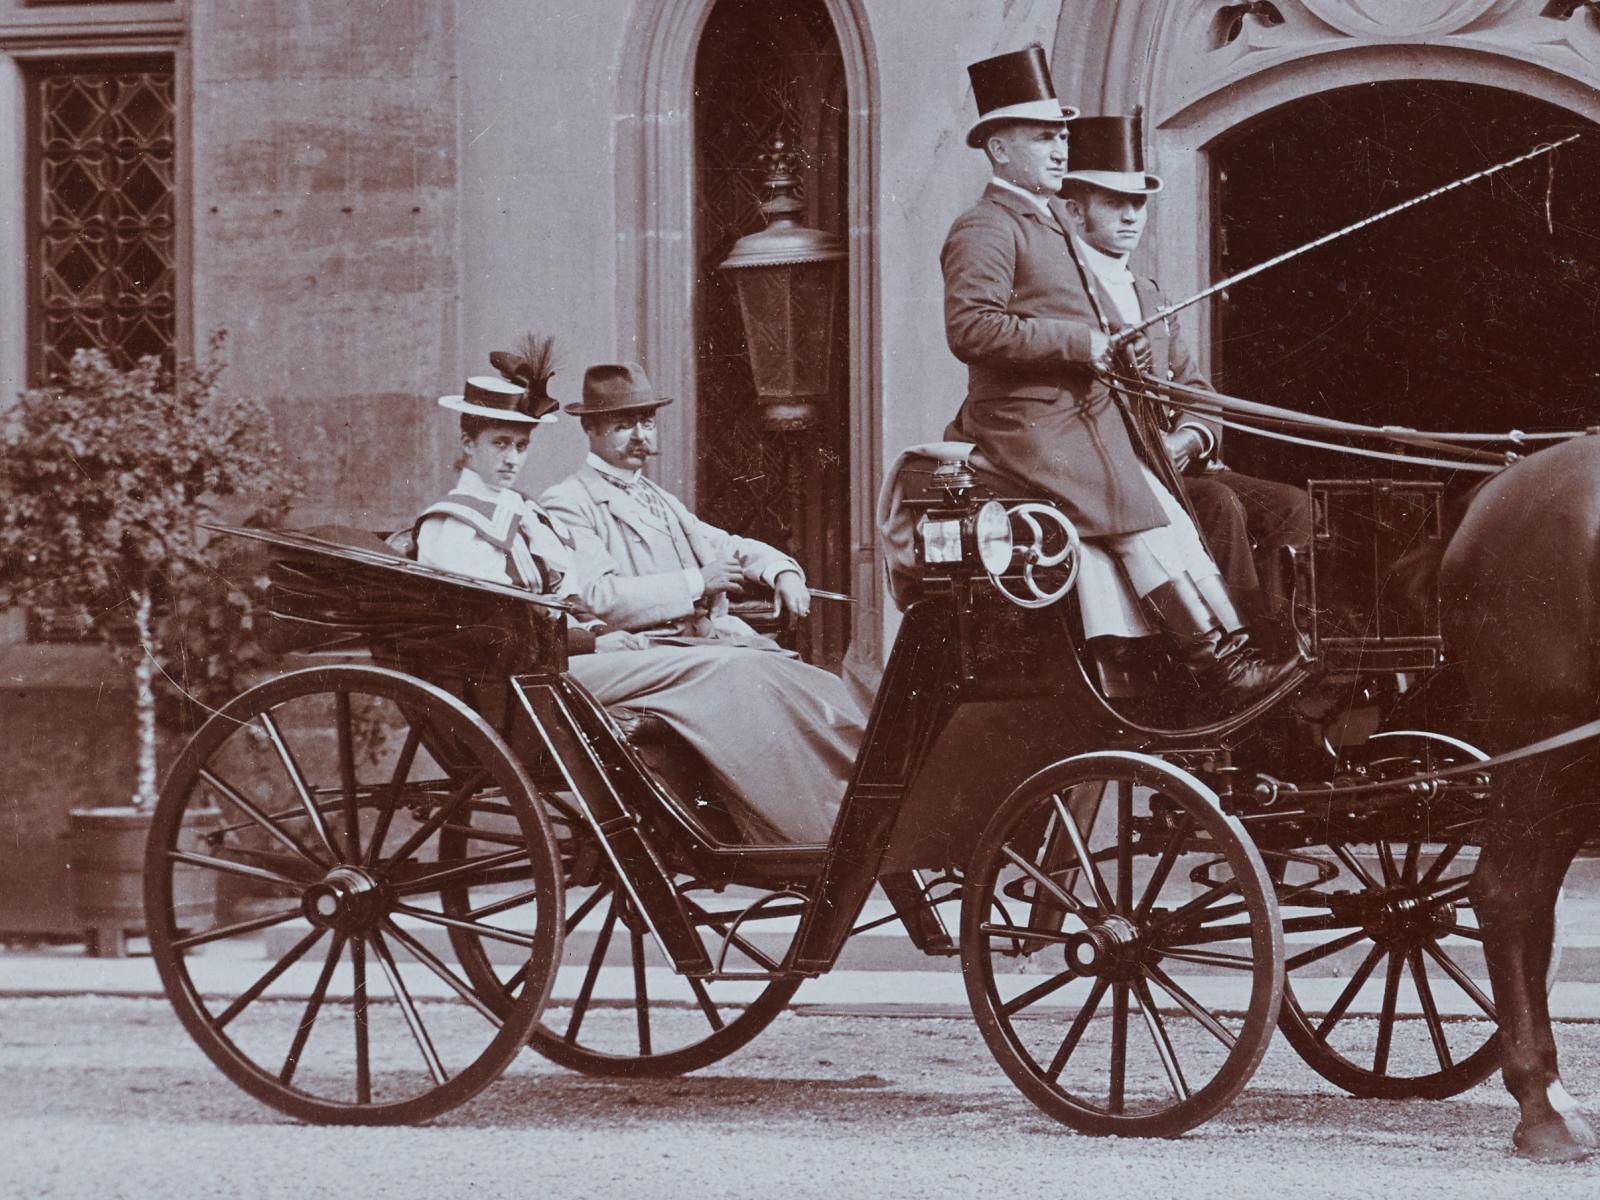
[105,480]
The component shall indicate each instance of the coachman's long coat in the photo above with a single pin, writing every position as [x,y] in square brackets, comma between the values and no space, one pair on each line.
[1018,313]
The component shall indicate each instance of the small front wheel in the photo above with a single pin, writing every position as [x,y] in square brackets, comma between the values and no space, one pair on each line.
[1121,946]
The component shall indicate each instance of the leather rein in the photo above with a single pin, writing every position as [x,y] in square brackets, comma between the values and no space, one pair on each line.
[1270,421]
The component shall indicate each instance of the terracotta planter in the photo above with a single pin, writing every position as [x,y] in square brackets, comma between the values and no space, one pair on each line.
[106,869]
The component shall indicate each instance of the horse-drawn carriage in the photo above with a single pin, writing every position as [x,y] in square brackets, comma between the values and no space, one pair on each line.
[454,852]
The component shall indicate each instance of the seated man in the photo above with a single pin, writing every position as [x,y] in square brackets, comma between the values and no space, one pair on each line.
[660,567]
[782,735]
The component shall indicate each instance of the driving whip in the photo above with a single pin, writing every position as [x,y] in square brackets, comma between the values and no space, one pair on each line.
[1128,332]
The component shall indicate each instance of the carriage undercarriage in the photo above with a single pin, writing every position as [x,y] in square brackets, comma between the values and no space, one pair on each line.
[452,864]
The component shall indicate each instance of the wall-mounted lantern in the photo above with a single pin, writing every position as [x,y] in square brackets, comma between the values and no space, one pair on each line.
[787,276]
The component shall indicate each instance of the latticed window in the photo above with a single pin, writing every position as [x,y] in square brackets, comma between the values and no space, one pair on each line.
[102,211]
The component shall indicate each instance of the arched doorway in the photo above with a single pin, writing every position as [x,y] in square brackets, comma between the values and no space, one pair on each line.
[1474,311]
[763,70]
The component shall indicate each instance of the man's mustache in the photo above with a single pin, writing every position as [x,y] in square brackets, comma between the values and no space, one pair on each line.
[641,448]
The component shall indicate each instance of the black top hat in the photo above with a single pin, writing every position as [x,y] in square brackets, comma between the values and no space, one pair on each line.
[1109,153]
[616,388]
[1014,87]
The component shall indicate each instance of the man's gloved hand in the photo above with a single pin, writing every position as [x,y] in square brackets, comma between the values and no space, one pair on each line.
[1182,445]
[1137,352]
[792,598]
[725,575]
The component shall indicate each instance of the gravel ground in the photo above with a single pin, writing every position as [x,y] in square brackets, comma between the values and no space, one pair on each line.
[108,1098]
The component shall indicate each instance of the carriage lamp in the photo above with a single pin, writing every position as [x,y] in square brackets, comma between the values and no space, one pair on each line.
[978,537]
[787,277]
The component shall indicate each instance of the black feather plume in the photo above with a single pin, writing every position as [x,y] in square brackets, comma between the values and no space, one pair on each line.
[530,366]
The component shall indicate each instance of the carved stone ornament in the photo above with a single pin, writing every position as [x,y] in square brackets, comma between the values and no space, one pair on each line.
[1400,18]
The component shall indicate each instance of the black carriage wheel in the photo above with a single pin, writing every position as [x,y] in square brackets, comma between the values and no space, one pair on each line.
[616,1008]
[317,805]
[1105,899]
[1401,916]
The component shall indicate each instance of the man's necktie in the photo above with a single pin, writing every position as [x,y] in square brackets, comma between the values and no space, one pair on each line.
[646,497]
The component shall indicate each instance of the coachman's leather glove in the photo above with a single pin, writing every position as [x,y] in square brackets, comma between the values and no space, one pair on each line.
[1137,353]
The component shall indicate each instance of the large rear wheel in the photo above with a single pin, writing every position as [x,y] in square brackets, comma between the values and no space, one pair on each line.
[1394,919]
[1121,946]
[333,808]
[617,1008]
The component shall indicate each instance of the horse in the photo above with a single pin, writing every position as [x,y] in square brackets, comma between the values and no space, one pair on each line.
[1519,588]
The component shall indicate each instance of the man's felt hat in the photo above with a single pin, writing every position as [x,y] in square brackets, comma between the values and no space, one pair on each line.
[1108,152]
[499,400]
[1014,87]
[616,388]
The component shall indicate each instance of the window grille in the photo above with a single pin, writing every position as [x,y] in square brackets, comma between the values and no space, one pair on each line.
[102,209]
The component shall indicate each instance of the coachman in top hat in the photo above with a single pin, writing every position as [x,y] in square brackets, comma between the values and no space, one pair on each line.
[1020,313]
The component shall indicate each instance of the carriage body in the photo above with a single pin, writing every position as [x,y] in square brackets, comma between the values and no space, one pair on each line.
[1003,760]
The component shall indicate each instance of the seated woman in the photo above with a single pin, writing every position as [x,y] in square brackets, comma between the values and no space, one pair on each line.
[781,734]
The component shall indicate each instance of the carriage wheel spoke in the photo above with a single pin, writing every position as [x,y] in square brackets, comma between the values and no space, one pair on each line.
[461,872]
[1430,1010]
[1391,996]
[1119,1047]
[447,810]
[1345,998]
[216,934]
[1210,958]
[358,996]
[1075,1032]
[1408,873]
[1306,957]
[243,803]
[1069,826]
[1068,901]
[1386,864]
[503,905]
[703,996]
[397,779]
[580,1006]
[247,997]
[1470,932]
[1181,997]
[408,1009]
[1164,864]
[1197,908]
[298,781]
[576,916]
[1353,865]
[1437,867]
[313,1009]
[1124,846]
[228,867]
[1462,980]
[1163,1044]
[1038,992]
[432,961]
[347,774]
[641,997]
[1021,933]
[493,932]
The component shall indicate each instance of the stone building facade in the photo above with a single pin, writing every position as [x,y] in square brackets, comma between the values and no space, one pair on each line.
[371,195]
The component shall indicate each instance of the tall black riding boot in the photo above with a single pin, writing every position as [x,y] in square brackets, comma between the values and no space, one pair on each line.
[1213,645]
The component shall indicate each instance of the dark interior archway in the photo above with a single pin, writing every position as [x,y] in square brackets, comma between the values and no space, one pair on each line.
[1476,310]
[768,68]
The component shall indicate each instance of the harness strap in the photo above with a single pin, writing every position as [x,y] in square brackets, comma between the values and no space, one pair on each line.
[1360,452]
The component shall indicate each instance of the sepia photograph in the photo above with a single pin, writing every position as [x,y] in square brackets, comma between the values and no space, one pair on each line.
[799,598]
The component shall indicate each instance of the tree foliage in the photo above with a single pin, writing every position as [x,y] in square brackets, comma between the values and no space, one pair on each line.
[105,481]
